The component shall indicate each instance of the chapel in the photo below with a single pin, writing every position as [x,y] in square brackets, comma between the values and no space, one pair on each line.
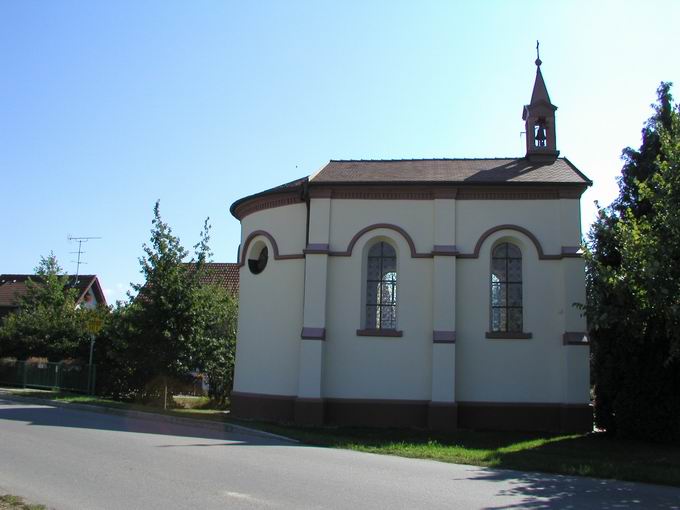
[437,293]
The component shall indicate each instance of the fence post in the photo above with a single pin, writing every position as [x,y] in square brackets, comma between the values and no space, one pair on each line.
[94,378]
[56,375]
[25,375]
[89,378]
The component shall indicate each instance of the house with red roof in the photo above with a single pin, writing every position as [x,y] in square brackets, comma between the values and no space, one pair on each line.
[13,286]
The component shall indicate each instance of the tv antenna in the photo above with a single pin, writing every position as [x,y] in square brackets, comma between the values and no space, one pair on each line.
[80,252]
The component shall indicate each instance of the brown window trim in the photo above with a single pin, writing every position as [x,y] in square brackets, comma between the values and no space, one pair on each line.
[379,332]
[508,335]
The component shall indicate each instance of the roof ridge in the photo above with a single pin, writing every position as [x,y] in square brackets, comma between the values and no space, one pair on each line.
[34,274]
[424,159]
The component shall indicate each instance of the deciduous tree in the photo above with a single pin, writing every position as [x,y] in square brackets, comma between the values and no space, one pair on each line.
[174,326]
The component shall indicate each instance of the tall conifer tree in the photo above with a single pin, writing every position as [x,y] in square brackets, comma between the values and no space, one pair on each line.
[633,270]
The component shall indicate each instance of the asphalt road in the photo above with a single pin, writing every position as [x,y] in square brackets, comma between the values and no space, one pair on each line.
[70,459]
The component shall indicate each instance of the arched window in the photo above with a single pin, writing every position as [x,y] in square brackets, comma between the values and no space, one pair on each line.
[506,288]
[381,287]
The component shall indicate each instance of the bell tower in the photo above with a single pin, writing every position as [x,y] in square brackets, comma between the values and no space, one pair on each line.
[539,118]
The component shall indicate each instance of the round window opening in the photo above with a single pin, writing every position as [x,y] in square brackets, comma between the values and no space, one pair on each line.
[257,264]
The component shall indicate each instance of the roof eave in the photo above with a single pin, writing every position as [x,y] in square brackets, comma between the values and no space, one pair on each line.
[265,193]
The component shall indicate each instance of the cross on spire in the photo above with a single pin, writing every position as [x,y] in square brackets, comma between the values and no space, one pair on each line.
[538,57]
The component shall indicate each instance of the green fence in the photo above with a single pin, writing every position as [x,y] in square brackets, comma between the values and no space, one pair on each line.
[60,376]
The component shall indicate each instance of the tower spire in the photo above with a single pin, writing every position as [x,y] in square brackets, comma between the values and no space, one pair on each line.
[539,117]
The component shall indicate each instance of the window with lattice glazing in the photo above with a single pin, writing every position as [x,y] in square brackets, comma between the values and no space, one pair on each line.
[381,287]
[506,288]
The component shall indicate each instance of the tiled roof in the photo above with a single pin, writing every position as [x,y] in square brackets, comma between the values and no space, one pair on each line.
[221,274]
[12,286]
[453,171]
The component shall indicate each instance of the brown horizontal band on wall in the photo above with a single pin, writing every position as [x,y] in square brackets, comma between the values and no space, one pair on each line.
[503,193]
[508,335]
[442,416]
[376,412]
[552,417]
[257,406]
[445,250]
[262,203]
[293,195]
[272,241]
[575,338]
[521,416]
[313,333]
[309,411]
[412,191]
[444,337]
[316,248]
[445,194]
[379,332]
[438,250]
[572,251]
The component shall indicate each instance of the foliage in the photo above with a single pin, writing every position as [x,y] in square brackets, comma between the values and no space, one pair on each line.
[9,502]
[47,323]
[173,327]
[634,287]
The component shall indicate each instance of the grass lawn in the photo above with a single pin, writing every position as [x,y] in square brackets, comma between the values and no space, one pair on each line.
[578,454]
[8,502]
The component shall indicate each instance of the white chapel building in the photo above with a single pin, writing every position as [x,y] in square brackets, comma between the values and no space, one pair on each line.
[418,293]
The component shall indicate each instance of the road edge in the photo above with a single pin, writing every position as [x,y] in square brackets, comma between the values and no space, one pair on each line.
[151,416]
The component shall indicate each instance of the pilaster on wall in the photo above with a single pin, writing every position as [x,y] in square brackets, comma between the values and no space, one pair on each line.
[573,277]
[576,358]
[444,267]
[442,413]
[570,222]
[309,404]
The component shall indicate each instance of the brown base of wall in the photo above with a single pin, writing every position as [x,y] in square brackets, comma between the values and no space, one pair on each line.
[255,406]
[376,413]
[413,413]
[309,411]
[525,416]
[442,416]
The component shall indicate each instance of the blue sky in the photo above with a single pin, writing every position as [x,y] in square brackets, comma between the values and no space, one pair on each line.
[107,106]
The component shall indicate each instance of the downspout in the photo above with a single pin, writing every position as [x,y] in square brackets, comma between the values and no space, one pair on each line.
[305,197]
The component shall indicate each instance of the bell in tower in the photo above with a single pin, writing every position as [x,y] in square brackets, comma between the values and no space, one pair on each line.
[539,118]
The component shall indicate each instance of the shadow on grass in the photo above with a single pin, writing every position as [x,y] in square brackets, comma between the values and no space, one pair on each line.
[595,455]
[599,455]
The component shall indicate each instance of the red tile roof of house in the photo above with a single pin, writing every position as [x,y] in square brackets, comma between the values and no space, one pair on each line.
[13,286]
[221,274]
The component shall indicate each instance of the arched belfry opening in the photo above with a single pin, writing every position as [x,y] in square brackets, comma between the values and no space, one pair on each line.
[539,118]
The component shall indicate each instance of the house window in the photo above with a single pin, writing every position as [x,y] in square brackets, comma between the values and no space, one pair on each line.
[506,288]
[381,287]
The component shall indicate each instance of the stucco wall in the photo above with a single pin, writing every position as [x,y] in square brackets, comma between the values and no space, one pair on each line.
[378,367]
[270,306]
[350,216]
[510,370]
[539,369]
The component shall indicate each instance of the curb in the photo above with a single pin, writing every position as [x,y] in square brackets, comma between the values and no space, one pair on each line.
[150,416]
